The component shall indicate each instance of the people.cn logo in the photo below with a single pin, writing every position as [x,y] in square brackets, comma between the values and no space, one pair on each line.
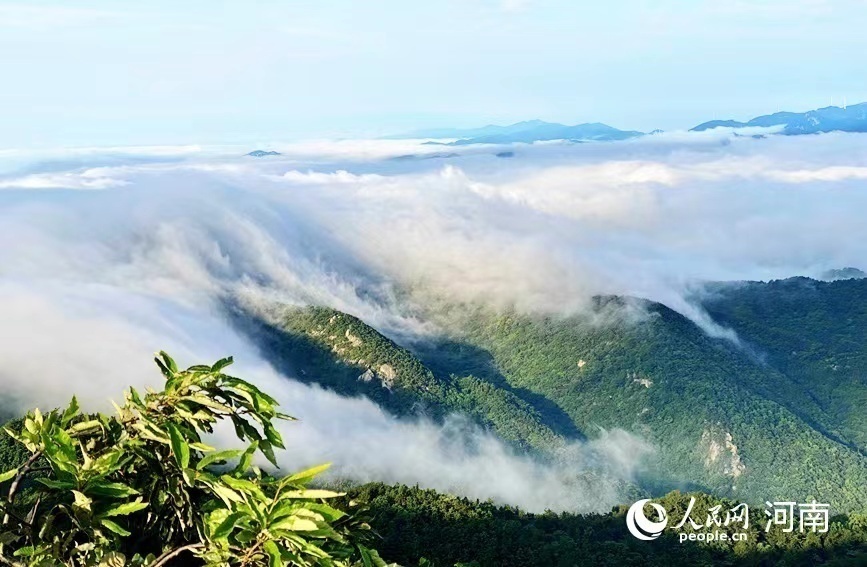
[640,526]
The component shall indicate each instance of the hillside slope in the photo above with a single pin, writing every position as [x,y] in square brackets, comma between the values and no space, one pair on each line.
[747,421]
[343,353]
[719,417]
[815,333]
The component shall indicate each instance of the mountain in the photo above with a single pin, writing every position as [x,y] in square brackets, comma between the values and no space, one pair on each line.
[545,131]
[342,352]
[777,415]
[526,132]
[263,153]
[829,119]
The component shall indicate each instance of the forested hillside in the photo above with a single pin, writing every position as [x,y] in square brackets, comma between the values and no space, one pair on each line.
[815,333]
[448,530]
[342,352]
[741,420]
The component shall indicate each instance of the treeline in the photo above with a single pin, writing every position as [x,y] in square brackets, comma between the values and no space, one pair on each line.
[447,530]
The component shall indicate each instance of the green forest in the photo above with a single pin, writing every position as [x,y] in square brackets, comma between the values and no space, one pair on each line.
[775,415]
[751,418]
[142,488]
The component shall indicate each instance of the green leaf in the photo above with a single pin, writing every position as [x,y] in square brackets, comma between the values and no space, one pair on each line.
[268,451]
[71,412]
[85,426]
[217,456]
[365,556]
[294,524]
[133,395]
[25,551]
[109,489]
[243,486]
[371,557]
[179,446]
[114,527]
[222,363]
[274,559]
[226,494]
[308,474]
[81,501]
[8,475]
[227,525]
[166,364]
[311,494]
[207,401]
[108,462]
[246,458]
[273,436]
[56,484]
[124,509]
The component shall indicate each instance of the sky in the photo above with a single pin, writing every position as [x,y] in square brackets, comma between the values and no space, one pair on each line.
[163,72]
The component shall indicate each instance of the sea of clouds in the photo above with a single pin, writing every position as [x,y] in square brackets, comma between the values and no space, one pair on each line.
[108,254]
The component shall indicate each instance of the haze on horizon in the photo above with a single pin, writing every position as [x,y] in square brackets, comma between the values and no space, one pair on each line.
[101,73]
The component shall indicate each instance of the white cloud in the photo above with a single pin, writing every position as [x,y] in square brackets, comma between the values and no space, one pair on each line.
[96,178]
[95,281]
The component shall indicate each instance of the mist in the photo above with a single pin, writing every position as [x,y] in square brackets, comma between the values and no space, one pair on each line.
[109,255]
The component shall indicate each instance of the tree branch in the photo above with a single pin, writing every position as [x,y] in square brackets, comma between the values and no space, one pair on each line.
[10,563]
[13,489]
[168,555]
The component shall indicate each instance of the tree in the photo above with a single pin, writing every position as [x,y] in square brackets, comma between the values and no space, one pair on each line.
[141,488]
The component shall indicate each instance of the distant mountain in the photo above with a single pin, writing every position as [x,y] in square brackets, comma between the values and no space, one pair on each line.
[263,153]
[829,119]
[545,131]
[525,132]
[439,155]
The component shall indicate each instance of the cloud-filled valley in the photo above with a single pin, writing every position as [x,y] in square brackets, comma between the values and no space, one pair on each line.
[108,255]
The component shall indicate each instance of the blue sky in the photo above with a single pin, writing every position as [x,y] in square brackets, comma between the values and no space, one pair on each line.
[164,72]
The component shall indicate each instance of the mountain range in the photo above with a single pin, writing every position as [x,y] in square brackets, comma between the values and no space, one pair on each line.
[776,414]
[829,119]
[526,132]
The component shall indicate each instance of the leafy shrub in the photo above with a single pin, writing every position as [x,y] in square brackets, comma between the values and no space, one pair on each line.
[141,488]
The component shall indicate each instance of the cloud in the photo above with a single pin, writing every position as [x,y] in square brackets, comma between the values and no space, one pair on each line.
[93,281]
[95,340]
[94,178]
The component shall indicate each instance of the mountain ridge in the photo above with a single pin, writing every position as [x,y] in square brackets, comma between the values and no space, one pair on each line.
[850,118]
[749,422]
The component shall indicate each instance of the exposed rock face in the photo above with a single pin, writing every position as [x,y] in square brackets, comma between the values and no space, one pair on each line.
[387,375]
[721,452]
[353,340]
